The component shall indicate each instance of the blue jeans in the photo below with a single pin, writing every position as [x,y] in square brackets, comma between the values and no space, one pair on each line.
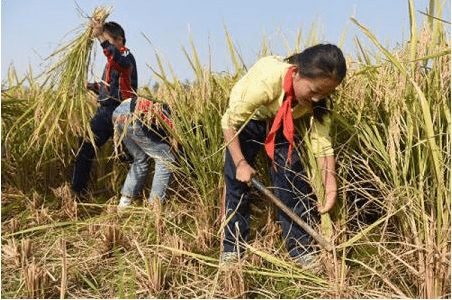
[289,186]
[143,146]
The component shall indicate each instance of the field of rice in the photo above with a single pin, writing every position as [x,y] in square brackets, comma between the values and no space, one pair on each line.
[391,226]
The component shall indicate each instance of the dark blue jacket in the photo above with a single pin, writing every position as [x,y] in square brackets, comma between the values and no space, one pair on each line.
[123,64]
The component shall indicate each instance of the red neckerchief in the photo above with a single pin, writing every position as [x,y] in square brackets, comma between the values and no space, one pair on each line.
[284,116]
[124,78]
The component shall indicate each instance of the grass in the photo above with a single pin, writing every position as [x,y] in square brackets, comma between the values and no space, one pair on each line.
[391,225]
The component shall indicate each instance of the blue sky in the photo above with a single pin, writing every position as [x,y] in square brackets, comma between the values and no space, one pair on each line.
[33,29]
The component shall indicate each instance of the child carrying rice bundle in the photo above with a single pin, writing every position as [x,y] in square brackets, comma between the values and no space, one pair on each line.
[59,110]
[119,82]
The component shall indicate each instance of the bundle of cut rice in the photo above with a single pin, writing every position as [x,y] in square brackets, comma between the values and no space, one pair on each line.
[61,111]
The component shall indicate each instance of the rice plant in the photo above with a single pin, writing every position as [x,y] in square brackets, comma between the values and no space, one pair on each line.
[60,111]
[391,225]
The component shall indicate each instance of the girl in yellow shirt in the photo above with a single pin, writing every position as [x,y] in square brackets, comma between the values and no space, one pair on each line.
[280,90]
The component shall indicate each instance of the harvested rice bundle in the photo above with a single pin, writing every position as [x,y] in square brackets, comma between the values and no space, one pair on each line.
[61,110]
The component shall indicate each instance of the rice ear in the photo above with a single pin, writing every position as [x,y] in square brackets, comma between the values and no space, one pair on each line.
[61,104]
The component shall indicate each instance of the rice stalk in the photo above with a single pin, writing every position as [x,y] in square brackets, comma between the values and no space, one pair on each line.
[194,60]
[434,150]
[383,277]
[416,146]
[63,270]
[298,41]
[413,35]
[384,162]
[62,99]
[44,227]
[121,278]
[196,120]
[265,48]
[240,68]
[11,253]
[36,280]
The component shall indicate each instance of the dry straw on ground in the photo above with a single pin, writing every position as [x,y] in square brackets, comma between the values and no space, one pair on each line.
[391,225]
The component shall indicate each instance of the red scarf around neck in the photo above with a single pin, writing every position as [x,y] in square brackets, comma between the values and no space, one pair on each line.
[124,80]
[284,117]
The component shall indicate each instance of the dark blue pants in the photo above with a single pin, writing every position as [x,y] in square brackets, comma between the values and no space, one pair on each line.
[289,186]
[102,127]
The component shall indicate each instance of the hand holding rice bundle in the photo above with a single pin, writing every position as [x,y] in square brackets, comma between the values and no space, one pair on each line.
[60,110]
[100,14]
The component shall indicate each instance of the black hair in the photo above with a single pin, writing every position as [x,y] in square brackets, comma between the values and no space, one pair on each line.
[115,30]
[320,61]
